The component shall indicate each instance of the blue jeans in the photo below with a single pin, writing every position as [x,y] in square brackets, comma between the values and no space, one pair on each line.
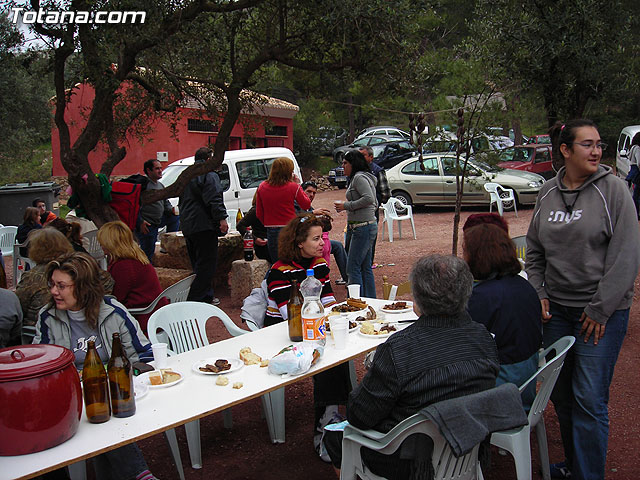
[359,270]
[272,242]
[148,242]
[122,463]
[340,256]
[581,394]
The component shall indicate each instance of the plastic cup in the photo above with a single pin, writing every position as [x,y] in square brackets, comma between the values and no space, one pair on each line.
[160,355]
[340,331]
[354,290]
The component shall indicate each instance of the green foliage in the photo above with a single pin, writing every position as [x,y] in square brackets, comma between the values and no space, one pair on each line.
[29,165]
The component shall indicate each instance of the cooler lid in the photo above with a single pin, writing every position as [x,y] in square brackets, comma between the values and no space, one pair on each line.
[28,361]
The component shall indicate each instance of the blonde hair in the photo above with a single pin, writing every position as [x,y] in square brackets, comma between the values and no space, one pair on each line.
[47,244]
[281,171]
[117,239]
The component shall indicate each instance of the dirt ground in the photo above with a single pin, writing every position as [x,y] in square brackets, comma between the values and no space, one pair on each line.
[245,451]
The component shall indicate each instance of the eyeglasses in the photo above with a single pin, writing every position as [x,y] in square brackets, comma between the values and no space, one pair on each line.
[590,145]
[60,286]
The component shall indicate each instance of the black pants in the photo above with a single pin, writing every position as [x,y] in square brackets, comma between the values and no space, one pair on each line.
[203,253]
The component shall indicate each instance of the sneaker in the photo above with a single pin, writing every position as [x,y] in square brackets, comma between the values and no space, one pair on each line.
[215,301]
[559,470]
[340,281]
[331,415]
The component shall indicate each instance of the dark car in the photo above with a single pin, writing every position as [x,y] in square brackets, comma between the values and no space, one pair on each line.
[338,153]
[532,158]
[539,140]
[392,153]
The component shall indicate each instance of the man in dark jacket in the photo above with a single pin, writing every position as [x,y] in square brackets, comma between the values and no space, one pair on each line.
[156,215]
[203,218]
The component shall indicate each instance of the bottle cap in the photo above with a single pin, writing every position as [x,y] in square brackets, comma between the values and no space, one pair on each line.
[310,272]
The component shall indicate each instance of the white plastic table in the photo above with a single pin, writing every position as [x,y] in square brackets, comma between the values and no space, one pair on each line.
[194,397]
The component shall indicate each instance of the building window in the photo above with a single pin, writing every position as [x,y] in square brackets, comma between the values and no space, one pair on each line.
[276,131]
[199,125]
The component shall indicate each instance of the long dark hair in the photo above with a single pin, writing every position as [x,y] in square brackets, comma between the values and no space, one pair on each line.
[294,233]
[357,161]
[565,133]
[488,250]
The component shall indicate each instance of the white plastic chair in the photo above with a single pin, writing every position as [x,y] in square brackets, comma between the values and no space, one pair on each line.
[445,463]
[20,263]
[95,250]
[518,441]
[391,213]
[184,323]
[500,195]
[7,239]
[178,292]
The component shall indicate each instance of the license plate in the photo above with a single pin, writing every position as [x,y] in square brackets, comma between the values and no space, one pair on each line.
[341,178]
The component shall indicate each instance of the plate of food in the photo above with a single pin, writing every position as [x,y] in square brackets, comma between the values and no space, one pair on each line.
[163,378]
[217,366]
[350,306]
[367,329]
[397,307]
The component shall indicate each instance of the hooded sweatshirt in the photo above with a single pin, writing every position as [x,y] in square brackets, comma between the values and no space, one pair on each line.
[583,245]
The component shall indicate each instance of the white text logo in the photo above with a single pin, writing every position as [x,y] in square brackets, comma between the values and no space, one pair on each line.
[52,17]
[559,216]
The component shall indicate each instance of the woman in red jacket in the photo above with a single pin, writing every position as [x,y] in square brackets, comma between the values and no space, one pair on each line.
[274,201]
[136,281]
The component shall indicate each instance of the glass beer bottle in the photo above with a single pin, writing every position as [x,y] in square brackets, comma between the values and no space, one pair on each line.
[123,403]
[294,312]
[95,387]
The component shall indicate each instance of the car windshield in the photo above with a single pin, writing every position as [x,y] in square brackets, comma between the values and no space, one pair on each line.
[171,174]
[516,155]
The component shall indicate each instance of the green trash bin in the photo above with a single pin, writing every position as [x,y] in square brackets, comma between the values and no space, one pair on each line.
[16,197]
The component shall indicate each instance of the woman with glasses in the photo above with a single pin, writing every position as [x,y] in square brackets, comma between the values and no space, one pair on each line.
[78,311]
[275,201]
[362,228]
[583,258]
[300,248]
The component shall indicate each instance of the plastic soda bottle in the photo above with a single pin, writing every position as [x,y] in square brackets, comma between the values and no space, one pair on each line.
[247,242]
[313,317]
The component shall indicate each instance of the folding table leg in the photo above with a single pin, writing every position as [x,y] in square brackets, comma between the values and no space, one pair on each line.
[175,451]
[78,470]
[193,440]
[273,404]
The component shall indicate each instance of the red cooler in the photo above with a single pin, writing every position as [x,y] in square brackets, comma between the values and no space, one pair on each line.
[40,398]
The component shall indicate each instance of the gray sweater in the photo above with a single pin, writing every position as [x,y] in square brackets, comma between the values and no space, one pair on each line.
[152,212]
[361,201]
[10,319]
[583,250]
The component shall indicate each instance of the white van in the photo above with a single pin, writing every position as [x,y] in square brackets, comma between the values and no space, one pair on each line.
[241,173]
[622,152]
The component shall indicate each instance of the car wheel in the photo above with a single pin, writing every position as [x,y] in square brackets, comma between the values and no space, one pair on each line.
[508,205]
[405,198]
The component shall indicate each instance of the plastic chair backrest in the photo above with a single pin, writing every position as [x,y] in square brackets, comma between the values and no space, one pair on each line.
[185,322]
[178,292]
[7,239]
[95,250]
[20,261]
[445,464]
[387,289]
[393,205]
[520,243]
[547,375]
[492,188]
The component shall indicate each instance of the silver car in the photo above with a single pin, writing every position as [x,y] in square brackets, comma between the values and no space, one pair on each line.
[436,183]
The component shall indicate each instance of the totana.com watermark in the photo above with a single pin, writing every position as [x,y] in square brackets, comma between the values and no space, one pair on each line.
[53,17]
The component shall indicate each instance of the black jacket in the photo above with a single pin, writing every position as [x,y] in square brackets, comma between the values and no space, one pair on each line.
[201,205]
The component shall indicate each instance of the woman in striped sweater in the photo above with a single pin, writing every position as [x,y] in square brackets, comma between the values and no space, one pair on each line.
[300,248]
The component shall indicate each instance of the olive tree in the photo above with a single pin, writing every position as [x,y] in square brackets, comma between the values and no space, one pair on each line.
[212,51]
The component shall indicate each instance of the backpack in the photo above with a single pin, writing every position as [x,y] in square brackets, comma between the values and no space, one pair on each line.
[125,200]
[137,178]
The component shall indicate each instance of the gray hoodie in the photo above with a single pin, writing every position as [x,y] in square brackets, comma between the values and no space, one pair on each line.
[361,201]
[583,250]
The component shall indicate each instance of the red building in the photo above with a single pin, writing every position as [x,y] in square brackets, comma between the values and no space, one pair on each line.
[272,127]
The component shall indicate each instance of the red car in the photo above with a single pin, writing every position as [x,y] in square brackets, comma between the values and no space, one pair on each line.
[532,158]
